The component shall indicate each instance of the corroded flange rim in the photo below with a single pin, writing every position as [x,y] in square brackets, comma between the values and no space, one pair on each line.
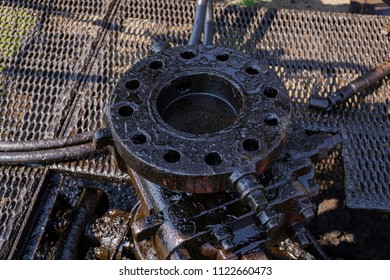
[198,163]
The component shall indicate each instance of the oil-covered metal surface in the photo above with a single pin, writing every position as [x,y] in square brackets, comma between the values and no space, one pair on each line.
[188,118]
[61,60]
[178,225]
[93,201]
[110,234]
[66,209]
[306,49]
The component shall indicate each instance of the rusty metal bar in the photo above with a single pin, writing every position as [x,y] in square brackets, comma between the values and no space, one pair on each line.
[357,85]
[91,201]
[46,144]
[47,156]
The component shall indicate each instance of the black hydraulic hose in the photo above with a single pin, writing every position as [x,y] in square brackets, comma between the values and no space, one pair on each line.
[209,24]
[46,144]
[199,22]
[47,156]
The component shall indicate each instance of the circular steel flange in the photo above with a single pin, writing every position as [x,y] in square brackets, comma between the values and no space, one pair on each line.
[189,117]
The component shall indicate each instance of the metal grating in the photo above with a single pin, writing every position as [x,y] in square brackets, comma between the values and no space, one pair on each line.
[44,50]
[60,61]
[17,188]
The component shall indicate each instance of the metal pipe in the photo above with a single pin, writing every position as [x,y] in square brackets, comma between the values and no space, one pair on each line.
[357,85]
[46,144]
[199,21]
[47,156]
[209,24]
[92,200]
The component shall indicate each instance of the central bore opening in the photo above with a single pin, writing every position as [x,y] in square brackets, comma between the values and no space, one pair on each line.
[199,104]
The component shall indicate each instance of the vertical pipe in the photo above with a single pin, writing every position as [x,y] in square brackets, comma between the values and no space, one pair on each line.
[197,27]
[209,24]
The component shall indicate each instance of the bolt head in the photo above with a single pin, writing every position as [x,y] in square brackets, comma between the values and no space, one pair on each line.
[256,200]
[272,224]
[308,214]
[227,244]
[269,217]
[305,208]
[302,239]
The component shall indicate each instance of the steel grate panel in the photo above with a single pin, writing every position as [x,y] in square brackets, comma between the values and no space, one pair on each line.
[129,36]
[60,61]
[45,67]
[306,49]
[17,188]
[44,49]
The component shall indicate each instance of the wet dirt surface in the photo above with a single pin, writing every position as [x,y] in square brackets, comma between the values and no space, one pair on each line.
[345,233]
[350,234]
[120,196]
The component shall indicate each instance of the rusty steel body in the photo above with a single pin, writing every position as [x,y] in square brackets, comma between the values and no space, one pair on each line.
[177,225]
[196,126]
[198,118]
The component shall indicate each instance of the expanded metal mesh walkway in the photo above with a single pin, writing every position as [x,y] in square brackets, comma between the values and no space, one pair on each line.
[60,61]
